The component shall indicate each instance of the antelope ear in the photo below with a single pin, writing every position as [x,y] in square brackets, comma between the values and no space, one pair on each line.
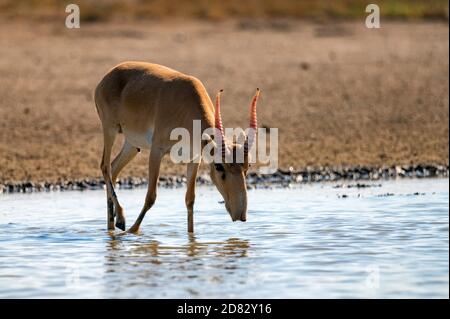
[207,137]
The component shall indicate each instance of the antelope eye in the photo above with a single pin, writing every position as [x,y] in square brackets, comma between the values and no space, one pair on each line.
[219,167]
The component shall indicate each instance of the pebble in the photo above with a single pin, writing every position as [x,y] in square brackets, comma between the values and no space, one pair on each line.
[282,178]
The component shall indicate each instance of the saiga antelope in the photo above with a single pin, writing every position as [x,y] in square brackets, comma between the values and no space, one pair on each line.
[146,102]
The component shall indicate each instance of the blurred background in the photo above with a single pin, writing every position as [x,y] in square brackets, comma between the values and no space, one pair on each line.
[341,94]
[213,10]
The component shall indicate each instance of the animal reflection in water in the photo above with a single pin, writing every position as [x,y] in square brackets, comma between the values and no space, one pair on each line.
[185,268]
[231,247]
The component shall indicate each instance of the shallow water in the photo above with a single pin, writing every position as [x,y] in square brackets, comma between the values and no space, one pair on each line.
[297,243]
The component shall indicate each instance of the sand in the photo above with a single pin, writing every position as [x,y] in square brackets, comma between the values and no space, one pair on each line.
[339,93]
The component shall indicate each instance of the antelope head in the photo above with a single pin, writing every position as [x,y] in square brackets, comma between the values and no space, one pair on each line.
[229,178]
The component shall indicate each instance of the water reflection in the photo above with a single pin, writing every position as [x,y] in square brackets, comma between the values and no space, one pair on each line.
[232,247]
[133,261]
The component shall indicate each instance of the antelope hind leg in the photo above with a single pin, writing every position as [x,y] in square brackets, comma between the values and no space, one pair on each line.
[109,137]
[127,153]
[156,156]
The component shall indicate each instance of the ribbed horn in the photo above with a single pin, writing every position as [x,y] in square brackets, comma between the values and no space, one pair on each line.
[218,123]
[253,124]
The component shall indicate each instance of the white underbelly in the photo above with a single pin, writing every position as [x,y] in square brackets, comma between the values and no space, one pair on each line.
[139,140]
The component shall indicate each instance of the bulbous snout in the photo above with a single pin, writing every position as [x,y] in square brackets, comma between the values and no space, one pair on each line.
[242,217]
[232,187]
[237,212]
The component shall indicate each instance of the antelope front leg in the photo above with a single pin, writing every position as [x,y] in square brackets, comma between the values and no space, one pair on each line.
[156,155]
[192,169]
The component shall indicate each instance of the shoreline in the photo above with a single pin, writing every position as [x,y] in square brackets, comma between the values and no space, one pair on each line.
[281,178]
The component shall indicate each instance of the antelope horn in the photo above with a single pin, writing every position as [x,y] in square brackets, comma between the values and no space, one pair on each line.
[218,123]
[253,124]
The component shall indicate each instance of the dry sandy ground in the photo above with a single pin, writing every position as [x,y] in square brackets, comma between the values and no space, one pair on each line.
[340,94]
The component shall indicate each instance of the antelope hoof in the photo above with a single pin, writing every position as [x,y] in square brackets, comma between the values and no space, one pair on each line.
[133,230]
[120,223]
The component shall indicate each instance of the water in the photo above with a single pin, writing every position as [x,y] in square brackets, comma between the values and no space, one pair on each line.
[297,243]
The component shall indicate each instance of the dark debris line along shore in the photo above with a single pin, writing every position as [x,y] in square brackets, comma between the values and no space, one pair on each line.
[281,178]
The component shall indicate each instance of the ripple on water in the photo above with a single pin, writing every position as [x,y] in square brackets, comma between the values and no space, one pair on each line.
[302,242]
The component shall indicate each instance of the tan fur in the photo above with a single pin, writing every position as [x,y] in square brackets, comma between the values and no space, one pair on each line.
[145,102]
